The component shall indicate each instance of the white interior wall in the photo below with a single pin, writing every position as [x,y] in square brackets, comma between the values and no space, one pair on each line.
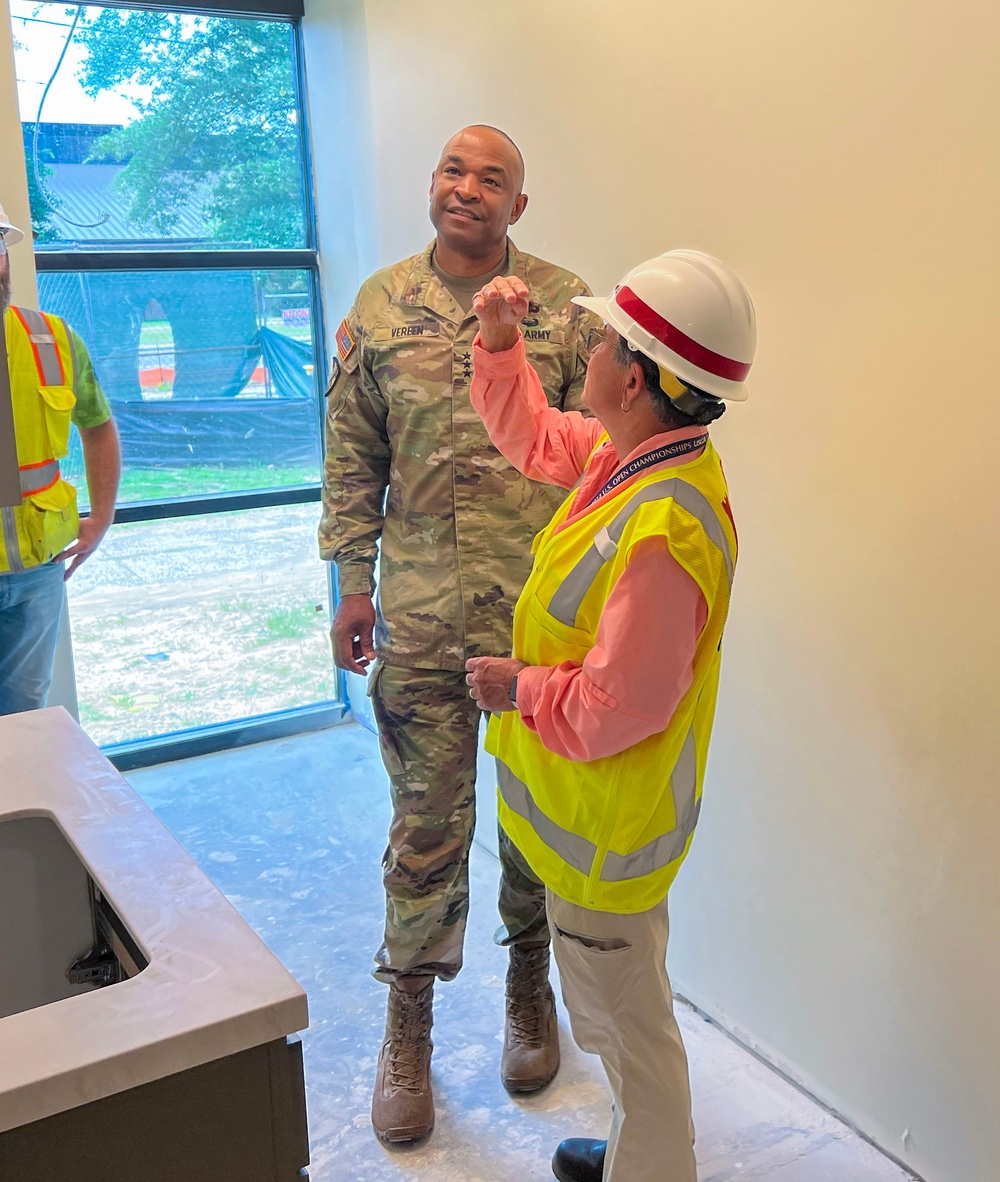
[840,908]
[339,117]
[14,199]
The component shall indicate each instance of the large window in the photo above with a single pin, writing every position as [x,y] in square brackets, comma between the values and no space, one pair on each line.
[173,226]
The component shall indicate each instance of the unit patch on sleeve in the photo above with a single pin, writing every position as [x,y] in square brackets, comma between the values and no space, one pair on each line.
[334,374]
[345,342]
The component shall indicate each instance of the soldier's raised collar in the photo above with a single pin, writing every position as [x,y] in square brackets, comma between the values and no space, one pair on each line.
[423,289]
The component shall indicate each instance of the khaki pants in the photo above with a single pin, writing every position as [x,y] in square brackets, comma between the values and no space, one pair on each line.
[615,986]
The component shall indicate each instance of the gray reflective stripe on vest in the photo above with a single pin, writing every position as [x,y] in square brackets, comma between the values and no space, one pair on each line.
[655,855]
[579,852]
[41,476]
[565,603]
[45,343]
[571,847]
[11,545]
[74,360]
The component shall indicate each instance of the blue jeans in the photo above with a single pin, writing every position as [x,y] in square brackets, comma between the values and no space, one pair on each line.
[30,609]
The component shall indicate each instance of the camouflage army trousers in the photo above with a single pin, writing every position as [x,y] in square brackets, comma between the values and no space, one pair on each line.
[428,730]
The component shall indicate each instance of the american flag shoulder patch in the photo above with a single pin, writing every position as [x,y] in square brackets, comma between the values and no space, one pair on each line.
[345,342]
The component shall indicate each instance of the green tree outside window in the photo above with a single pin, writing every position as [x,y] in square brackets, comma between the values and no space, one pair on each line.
[218,124]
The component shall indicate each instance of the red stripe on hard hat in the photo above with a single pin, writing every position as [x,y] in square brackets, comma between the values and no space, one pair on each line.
[684,346]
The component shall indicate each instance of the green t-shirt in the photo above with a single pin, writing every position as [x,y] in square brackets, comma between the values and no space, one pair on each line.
[92,406]
[463,287]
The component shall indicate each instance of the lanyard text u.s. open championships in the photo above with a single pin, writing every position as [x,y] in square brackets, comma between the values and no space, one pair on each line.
[669,451]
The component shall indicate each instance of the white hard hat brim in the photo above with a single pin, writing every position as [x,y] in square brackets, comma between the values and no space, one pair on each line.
[608,311]
[598,304]
[604,307]
[12,235]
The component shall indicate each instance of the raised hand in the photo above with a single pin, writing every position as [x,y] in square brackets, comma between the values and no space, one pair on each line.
[501,306]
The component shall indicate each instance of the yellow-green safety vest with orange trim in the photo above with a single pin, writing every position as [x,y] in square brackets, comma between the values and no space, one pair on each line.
[41,364]
[610,834]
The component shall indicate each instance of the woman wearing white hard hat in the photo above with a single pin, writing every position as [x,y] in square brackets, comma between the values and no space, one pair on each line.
[601,719]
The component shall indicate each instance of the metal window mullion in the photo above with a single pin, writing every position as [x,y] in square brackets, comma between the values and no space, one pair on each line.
[176,260]
[206,504]
[305,138]
[319,319]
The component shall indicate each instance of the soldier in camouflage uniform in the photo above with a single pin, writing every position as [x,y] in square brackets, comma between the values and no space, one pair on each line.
[409,462]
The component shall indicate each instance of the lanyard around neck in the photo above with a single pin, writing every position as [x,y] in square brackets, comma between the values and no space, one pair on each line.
[668,452]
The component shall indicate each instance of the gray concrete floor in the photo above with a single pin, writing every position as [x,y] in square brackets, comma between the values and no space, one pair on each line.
[293,832]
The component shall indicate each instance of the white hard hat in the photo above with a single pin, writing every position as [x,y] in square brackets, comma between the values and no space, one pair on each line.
[11,233]
[691,314]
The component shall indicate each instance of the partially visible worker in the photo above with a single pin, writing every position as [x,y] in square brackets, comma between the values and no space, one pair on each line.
[409,465]
[601,720]
[43,540]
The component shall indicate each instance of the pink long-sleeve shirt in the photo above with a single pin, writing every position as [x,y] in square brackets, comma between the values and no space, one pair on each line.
[640,667]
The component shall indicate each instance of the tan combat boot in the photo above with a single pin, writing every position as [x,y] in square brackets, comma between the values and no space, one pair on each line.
[531,1036]
[403,1106]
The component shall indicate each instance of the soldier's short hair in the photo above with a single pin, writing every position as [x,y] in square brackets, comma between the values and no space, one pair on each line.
[503,135]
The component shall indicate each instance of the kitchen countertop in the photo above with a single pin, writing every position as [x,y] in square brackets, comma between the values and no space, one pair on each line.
[212,987]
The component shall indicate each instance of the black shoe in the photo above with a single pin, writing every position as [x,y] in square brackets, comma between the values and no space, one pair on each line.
[580,1159]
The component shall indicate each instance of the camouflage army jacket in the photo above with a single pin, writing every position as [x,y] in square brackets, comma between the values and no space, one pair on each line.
[409,461]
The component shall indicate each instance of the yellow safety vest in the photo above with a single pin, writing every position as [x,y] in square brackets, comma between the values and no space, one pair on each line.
[610,834]
[40,358]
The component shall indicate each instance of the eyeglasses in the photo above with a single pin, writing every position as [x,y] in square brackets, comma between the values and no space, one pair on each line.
[596,336]
[3,244]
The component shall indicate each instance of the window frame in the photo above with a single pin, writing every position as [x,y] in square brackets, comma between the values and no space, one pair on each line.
[279,10]
[237,732]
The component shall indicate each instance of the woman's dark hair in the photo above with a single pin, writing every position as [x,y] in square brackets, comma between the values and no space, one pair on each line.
[700,408]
